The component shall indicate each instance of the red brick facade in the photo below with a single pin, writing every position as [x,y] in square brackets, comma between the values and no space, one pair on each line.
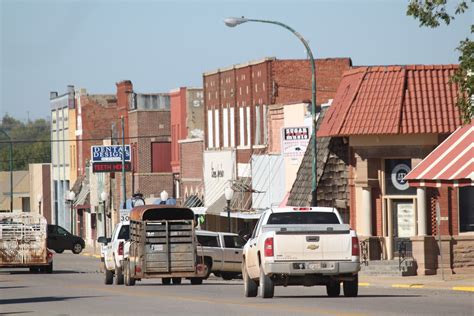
[248,89]
[145,128]
[191,168]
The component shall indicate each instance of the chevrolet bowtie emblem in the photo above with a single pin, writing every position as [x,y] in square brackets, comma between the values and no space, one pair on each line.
[312,247]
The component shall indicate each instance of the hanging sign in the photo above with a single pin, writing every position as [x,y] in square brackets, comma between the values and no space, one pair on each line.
[110,153]
[294,141]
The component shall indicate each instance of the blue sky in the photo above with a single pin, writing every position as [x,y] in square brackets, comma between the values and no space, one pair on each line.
[161,45]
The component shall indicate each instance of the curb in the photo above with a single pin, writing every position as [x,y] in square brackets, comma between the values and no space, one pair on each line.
[420,286]
[91,255]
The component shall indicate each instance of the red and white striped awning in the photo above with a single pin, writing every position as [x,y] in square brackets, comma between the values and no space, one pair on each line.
[450,164]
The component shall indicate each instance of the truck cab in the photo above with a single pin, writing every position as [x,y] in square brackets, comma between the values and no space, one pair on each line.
[222,252]
[112,252]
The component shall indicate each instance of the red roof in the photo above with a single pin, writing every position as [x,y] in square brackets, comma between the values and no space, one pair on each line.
[451,163]
[412,99]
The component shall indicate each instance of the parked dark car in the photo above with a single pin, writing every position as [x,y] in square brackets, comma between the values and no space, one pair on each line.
[60,239]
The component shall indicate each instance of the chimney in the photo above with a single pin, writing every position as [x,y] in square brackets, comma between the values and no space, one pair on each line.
[53,94]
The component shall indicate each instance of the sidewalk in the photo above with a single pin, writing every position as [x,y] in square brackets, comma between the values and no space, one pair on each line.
[458,282]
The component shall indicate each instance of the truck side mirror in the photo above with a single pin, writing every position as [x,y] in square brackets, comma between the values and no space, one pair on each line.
[102,240]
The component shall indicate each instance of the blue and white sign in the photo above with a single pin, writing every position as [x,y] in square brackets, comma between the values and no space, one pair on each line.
[109,153]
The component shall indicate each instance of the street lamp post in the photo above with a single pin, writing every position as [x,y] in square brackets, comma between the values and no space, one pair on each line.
[229,193]
[232,22]
[70,198]
[10,162]
[103,198]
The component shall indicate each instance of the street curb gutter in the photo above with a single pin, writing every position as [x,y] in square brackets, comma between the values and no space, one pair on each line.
[91,255]
[420,286]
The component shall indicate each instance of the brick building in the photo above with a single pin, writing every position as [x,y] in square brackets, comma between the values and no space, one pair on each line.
[187,122]
[191,171]
[237,100]
[392,117]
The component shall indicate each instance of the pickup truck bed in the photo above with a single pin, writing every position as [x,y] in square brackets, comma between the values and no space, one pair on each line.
[301,246]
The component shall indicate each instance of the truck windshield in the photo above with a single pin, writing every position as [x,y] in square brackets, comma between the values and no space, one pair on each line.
[302,218]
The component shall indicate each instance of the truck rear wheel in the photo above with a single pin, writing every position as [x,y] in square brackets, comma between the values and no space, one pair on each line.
[351,288]
[333,288]
[176,280]
[250,286]
[109,277]
[267,288]
[166,281]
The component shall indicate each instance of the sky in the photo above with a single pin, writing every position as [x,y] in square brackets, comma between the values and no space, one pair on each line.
[161,45]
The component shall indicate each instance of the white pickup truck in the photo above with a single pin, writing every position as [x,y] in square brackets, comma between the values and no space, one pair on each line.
[112,252]
[301,246]
[222,253]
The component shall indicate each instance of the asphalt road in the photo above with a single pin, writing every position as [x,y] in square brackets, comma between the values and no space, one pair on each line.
[77,288]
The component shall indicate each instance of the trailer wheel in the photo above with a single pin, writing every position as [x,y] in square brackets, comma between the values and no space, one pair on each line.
[129,280]
[267,288]
[333,288]
[49,268]
[351,288]
[196,281]
[166,281]
[176,280]
[109,277]
[34,269]
[119,279]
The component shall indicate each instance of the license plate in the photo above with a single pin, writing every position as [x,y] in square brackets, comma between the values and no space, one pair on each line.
[314,266]
[157,247]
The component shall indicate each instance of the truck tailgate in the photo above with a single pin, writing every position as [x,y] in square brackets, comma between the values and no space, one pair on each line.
[313,242]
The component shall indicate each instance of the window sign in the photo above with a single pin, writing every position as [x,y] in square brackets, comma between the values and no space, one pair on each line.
[395,172]
[405,220]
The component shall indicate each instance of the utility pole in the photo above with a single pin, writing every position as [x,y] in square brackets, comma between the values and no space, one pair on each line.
[124,182]
[10,163]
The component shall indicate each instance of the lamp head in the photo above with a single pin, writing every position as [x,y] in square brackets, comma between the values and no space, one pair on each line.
[104,196]
[229,193]
[163,195]
[233,22]
[71,196]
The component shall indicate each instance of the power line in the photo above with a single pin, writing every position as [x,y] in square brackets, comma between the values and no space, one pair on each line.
[78,140]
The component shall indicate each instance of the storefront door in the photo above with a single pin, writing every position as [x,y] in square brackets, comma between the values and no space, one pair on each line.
[400,208]
[404,226]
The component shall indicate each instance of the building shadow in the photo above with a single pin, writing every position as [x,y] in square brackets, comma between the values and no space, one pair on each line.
[343,297]
[12,287]
[41,299]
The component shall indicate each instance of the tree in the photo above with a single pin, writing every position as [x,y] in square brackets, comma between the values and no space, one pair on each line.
[431,13]
[31,143]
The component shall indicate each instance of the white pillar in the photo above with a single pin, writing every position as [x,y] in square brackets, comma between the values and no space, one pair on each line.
[421,210]
[366,225]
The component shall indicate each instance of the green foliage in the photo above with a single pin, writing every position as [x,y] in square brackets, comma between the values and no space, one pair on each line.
[431,13]
[31,143]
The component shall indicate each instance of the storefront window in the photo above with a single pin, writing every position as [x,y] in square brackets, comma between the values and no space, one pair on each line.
[466,209]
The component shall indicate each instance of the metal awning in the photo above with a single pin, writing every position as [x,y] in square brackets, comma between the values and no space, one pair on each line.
[449,164]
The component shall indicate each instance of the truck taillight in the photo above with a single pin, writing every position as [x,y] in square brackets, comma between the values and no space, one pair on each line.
[268,247]
[301,208]
[120,249]
[50,255]
[355,247]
